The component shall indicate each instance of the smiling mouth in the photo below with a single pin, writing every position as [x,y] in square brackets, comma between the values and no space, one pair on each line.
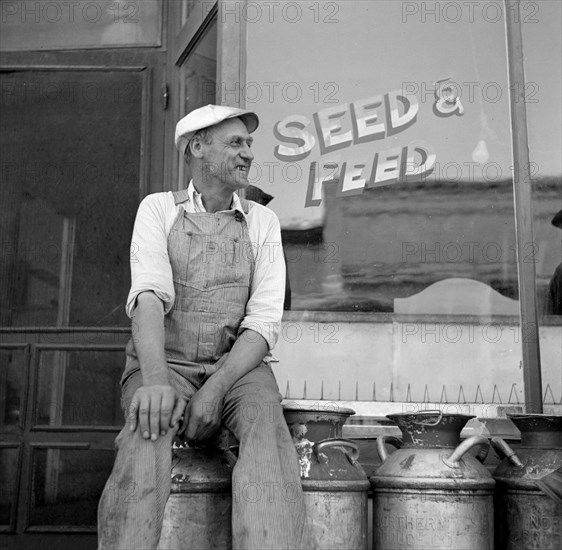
[243,169]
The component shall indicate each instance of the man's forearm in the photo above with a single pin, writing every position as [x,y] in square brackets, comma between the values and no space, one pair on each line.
[148,337]
[246,354]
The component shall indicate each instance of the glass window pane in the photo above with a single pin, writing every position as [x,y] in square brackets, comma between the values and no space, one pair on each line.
[69,193]
[40,25]
[388,152]
[67,485]
[189,6]
[198,82]
[12,388]
[79,388]
[542,43]
[8,483]
[199,72]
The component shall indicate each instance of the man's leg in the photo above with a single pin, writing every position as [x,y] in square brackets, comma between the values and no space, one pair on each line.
[267,500]
[131,508]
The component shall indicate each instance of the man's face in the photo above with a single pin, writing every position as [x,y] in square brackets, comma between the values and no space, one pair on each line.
[227,159]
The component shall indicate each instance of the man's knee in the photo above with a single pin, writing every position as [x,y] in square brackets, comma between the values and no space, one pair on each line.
[133,440]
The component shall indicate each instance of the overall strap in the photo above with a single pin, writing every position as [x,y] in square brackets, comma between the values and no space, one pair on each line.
[246,206]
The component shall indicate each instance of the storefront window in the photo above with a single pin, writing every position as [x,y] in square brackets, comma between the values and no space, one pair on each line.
[67,485]
[542,44]
[12,388]
[71,146]
[542,47]
[190,7]
[197,82]
[39,25]
[8,483]
[62,374]
[387,147]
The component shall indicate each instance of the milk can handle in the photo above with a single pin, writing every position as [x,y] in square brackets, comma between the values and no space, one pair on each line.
[326,443]
[230,457]
[503,450]
[429,411]
[464,446]
[483,454]
[386,439]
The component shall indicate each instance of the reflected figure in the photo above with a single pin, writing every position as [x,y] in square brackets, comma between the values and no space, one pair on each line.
[554,297]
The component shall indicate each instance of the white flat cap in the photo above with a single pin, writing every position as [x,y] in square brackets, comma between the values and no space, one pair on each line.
[209,116]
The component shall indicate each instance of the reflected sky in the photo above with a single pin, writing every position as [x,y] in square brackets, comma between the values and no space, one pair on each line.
[364,49]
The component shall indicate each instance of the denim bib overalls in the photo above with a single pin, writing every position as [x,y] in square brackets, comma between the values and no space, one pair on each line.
[213,263]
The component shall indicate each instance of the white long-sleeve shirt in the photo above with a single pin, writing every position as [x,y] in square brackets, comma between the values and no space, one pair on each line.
[151,269]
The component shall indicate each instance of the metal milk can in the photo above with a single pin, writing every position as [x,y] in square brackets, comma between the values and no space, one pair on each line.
[431,493]
[334,483]
[529,485]
[198,513]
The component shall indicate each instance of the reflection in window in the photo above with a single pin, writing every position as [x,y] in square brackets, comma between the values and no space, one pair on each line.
[63,375]
[32,25]
[67,485]
[198,82]
[189,6]
[199,72]
[390,171]
[12,389]
[69,194]
[542,44]
[8,483]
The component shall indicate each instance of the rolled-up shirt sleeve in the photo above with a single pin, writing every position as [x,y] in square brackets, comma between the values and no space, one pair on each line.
[150,265]
[265,306]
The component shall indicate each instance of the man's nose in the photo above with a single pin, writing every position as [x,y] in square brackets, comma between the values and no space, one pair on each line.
[246,152]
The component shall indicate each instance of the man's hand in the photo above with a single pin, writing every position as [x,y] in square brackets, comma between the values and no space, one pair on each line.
[203,413]
[155,409]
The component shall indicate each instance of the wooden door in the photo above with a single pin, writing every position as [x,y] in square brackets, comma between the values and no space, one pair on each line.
[82,142]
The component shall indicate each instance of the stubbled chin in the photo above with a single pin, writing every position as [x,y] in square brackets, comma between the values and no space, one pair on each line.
[241,181]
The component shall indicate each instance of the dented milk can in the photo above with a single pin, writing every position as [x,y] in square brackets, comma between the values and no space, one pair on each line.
[198,513]
[431,493]
[529,486]
[334,483]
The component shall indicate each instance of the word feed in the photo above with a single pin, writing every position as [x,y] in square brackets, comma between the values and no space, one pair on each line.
[370,119]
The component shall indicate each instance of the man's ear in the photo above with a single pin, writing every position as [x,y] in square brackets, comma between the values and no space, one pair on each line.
[196,148]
